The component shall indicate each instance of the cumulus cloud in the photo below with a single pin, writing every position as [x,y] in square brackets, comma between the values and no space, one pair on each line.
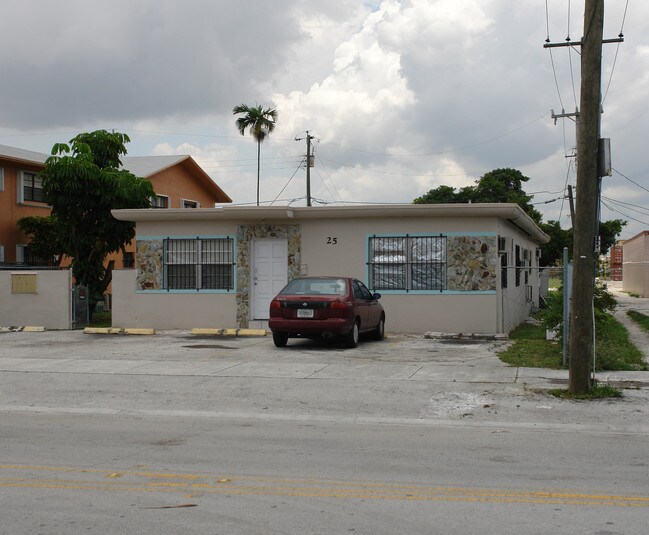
[401,96]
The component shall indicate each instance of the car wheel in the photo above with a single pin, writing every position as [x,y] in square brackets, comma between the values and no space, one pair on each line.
[379,332]
[280,339]
[353,336]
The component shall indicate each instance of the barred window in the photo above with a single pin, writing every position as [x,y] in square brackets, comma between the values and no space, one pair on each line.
[407,263]
[199,264]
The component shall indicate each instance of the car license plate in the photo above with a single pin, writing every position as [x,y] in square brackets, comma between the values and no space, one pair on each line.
[304,312]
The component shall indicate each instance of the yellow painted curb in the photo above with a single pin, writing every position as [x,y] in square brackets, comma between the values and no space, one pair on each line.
[96,330]
[213,332]
[139,331]
[102,330]
[33,329]
[252,332]
[230,332]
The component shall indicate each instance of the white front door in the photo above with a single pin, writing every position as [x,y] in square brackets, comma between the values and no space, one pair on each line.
[269,274]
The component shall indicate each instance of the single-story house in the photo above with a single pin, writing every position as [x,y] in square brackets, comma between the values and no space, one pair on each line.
[470,268]
[635,264]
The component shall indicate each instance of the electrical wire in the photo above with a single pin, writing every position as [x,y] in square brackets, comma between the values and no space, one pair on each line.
[617,49]
[612,209]
[632,181]
[289,181]
[329,175]
[628,206]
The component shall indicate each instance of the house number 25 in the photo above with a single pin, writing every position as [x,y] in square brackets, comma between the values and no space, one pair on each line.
[332,240]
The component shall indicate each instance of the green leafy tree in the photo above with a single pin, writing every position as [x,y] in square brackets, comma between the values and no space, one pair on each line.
[609,232]
[506,185]
[446,195]
[260,123]
[499,185]
[83,182]
[552,252]
[44,240]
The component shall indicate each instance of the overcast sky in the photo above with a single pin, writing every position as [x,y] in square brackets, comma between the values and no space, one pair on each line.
[401,96]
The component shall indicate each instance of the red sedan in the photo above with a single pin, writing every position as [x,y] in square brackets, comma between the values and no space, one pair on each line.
[326,306]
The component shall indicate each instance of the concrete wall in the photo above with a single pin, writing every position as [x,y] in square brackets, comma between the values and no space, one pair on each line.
[49,307]
[635,267]
[339,247]
[169,311]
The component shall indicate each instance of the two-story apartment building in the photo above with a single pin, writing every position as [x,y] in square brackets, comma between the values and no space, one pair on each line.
[179,182]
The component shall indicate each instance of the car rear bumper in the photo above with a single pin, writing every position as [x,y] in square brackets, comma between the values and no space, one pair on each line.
[337,326]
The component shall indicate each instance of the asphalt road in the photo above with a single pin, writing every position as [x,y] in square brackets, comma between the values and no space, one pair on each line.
[172,434]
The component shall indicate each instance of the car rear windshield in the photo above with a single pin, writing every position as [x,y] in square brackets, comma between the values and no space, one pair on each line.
[316,287]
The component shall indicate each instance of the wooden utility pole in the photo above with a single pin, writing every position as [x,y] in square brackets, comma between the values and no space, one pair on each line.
[308,168]
[583,282]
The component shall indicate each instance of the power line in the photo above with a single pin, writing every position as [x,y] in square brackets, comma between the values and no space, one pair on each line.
[632,181]
[625,215]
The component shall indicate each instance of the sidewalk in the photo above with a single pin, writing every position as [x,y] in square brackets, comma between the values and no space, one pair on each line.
[625,303]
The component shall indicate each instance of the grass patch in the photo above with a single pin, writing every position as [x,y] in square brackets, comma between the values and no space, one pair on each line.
[531,350]
[596,392]
[639,318]
[614,350]
[101,319]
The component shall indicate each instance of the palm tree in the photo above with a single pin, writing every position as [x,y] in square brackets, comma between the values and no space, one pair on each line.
[260,122]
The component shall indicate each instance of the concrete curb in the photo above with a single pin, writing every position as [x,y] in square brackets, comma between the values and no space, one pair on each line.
[117,330]
[466,336]
[230,332]
[25,329]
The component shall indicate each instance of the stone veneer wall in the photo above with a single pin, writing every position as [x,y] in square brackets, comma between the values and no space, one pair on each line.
[472,263]
[148,263]
[245,235]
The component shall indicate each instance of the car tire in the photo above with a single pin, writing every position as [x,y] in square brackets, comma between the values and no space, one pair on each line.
[379,332]
[280,339]
[351,340]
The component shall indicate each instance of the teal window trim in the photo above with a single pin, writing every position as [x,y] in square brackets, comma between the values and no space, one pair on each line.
[195,269]
[408,264]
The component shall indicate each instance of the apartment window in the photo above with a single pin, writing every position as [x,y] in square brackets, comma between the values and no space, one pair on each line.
[2,179]
[24,255]
[186,203]
[519,265]
[407,263]
[160,201]
[128,260]
[199,264]
[2,253]
[32,187]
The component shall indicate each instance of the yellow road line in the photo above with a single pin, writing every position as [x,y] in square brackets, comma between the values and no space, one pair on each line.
[72,478]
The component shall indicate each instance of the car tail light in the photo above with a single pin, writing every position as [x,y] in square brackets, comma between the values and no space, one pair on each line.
[275,309]
[339,305]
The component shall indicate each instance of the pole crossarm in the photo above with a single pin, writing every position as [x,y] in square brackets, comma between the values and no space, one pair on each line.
[568,42]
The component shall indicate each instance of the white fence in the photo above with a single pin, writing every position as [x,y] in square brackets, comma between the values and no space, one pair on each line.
[36,298]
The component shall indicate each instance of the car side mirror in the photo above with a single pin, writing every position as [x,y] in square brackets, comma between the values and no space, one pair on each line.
[376,296]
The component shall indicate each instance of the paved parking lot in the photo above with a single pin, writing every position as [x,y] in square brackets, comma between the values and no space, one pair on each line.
[403,378]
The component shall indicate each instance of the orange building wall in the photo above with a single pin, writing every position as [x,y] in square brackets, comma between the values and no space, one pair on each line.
[11,212]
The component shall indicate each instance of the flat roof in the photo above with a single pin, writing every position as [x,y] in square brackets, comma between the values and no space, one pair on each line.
[507,211]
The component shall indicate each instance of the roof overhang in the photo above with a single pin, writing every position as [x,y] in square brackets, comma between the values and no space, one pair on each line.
[507,211]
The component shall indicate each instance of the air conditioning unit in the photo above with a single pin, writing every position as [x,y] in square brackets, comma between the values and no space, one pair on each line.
[505,244]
